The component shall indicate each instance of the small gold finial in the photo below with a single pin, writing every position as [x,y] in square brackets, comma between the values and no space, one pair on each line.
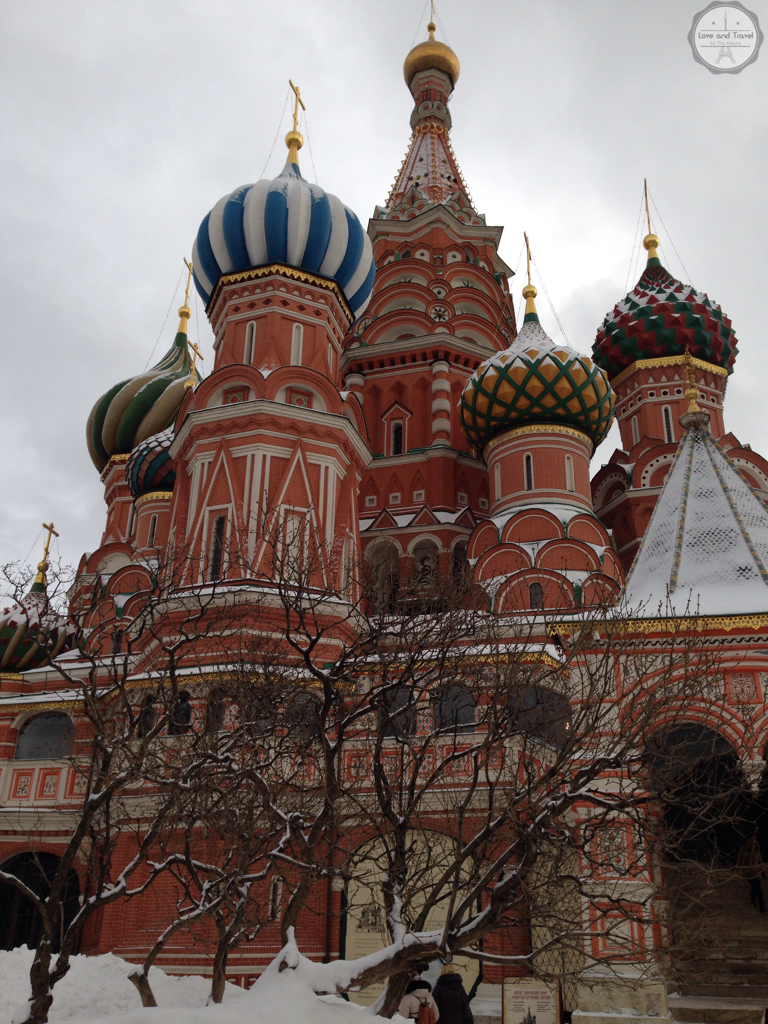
[431,28]
[42,567]
[294,140]
[196,354]
[651,241]
[184,311]
[529,292]
[691,392]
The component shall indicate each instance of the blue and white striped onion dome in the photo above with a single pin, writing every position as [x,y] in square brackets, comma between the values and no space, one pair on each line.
[288,221]
[150,467]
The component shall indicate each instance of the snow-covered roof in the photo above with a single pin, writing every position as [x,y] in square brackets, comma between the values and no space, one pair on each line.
[706,546]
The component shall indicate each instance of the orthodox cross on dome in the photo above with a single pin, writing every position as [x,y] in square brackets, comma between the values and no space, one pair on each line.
[196,354]
[294,140]
[651,241]
[692,391]
[529,292]
[42,566]
[185,312]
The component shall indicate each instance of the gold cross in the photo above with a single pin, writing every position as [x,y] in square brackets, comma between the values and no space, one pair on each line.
[647,211]
[299,100]
[527,256]
[196,354]
[189,281]
[51,533]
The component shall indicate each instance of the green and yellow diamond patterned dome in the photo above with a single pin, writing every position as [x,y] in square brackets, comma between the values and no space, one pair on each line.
[535,381]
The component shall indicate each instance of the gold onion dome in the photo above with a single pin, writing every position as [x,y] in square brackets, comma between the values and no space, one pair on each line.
[535,381]
[431,54]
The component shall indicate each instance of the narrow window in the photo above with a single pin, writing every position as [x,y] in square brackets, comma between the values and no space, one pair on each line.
[152,532]
[536,596]
[292,560]
[635,430]
[275,898]
[497,480]
[330,357]
[668,431]
[131,521]
[529,472]
[250,342]
[297,343]
[570,484]
[397,437]
[217,552]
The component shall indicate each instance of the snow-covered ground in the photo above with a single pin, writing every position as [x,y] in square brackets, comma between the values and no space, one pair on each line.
[97,990]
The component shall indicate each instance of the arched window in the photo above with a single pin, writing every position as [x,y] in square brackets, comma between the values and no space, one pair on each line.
[669,431]
[330,357]
[397,438]
[152,531]
[297,344]
[214,712]
[131,521]
[539,712]
[384,562]
[181,716]
[635,430]
[425,561]
[454,708]
[528,472]
[47,735]
[460,559]
[250,342]
[301,718]
[497,481]
[217,547]
[20,923]
[570,483]
[536,595]
[397,712]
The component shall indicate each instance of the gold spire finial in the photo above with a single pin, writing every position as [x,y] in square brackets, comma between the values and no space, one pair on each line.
[196,354]
[184,311]
[431,27]
[294,140]
[42,567]
[691,392]
[529,292]
[651,241]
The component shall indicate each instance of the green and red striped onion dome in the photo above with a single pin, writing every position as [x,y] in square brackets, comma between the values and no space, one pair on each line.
[30,632]
[135,409]
[535,381]
[150,467]
[663,317]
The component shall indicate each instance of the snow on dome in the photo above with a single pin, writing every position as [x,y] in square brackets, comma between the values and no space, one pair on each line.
[150,467]
[289,221]
[662,317]
[535,381]
[30,632]
[706,546]
[139,407]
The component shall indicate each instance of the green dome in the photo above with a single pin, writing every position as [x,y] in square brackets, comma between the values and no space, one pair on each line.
[535,381]
[135,409]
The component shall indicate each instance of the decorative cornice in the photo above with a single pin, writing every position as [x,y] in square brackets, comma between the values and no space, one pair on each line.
[538,428]
[14,677]
[280,270]
[153,496]
[652,364]
[115,460]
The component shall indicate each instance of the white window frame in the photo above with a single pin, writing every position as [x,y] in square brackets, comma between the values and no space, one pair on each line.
[570,479]
[250,343]
[297,344]
[669,426]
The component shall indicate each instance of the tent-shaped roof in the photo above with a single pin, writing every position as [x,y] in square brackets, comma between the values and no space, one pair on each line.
[706,546]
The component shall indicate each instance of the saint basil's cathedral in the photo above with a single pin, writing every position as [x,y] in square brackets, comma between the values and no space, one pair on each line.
[374,387]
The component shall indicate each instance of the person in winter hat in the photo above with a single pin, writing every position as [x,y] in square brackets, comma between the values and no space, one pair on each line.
[451,999]
[416,995]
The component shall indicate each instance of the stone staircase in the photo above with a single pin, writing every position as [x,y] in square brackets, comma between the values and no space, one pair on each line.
[719,948]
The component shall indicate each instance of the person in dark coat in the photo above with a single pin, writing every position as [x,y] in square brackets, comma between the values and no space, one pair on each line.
[750,865]
[451,998]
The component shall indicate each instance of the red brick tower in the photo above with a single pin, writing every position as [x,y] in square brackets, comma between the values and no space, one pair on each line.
[440,306]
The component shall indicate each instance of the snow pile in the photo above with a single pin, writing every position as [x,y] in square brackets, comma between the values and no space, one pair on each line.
[97,990]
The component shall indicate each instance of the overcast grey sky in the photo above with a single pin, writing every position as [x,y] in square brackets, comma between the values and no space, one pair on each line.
[123,121]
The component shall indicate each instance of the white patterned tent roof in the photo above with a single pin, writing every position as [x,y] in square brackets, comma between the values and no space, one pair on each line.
[706,546]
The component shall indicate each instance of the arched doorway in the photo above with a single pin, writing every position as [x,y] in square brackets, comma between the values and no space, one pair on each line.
[707,809]
[19,919]
[364,927]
